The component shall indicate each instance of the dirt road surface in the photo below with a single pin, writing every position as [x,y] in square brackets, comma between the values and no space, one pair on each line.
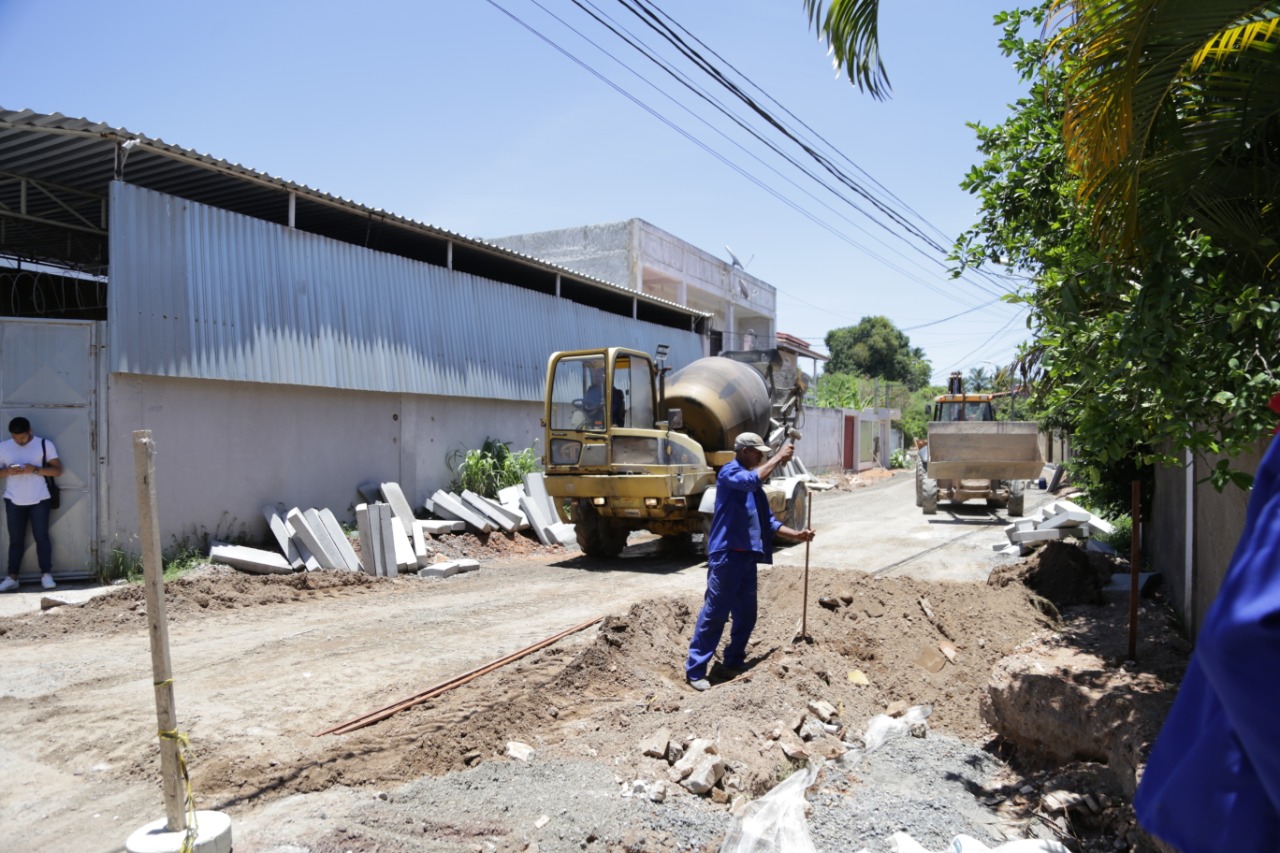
[261,665]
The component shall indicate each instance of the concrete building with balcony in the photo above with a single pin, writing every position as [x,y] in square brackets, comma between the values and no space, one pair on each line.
[642,257]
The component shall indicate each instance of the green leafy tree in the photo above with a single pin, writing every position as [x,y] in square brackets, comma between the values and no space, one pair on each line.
[914,421]
[844,391]
[1140,354]
[876,347]
[1134,186]
[978,381]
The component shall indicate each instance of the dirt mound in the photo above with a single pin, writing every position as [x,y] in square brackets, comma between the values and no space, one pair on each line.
[487,546]
[876,644]
[1063,573]
[209,589]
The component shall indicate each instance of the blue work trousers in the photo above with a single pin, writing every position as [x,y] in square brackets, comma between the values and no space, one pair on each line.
[17,517]
[731,593]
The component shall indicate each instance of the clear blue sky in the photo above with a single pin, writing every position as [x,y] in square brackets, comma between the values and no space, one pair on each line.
[454,114]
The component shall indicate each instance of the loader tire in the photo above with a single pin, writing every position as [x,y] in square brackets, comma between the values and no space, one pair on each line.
[704,535]
[678,544]
[798,507]
[597,536]
[919,483]
[929,496]
[1016,497]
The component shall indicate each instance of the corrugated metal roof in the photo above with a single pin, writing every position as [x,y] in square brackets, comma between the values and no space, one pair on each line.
[201,292]
[84,156]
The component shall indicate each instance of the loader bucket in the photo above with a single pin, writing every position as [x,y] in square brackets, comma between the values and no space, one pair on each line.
[984,450]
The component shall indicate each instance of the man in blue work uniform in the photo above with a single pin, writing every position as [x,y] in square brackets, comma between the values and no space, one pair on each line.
[741,536]
[1212,782]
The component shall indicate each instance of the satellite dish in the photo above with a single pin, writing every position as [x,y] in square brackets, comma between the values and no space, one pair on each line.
[734,259]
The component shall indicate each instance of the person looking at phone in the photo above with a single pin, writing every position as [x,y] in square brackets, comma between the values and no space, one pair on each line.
[25,460]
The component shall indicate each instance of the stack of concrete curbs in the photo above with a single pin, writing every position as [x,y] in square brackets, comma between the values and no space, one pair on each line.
[1059,520]
[392,540]
[526,507]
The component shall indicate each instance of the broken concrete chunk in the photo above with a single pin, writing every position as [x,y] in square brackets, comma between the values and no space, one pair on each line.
[655,745]
[792,746]
[821,709]
[812,728]
[48,602]
[519,751]
[1061,801]
[697,749]
[705,773]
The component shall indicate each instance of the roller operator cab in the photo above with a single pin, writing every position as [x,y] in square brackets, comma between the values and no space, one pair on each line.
[628,448]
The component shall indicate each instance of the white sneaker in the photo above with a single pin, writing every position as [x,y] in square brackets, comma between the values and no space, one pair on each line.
[8,585]
[46,581]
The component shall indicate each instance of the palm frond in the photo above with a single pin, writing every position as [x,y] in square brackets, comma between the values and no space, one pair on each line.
[1130,63]
[851,30]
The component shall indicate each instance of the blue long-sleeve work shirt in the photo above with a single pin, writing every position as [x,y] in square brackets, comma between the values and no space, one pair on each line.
[742,520]
[1212,782]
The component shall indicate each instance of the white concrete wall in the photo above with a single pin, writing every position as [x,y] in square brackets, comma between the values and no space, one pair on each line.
[822,448]
[225,448]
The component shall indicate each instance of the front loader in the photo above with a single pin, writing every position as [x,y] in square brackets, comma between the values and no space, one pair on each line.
[969,455]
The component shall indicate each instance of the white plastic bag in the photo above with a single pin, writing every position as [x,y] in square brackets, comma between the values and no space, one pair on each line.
[775,823]
[883,727]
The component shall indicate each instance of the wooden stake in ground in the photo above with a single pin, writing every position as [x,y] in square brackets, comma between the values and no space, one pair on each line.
[1135,565]
[804,608]
[158,624]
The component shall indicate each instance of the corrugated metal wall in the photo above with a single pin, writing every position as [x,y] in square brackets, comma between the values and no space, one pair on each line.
[198,292]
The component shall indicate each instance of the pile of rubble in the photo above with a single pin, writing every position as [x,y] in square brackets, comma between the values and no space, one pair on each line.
[392,539]
[696,765]
[1059,520]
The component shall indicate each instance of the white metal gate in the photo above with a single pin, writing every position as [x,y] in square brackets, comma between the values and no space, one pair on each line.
[48,375]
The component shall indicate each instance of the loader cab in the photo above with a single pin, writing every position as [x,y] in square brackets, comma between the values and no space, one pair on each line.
[955,405]
[963,407]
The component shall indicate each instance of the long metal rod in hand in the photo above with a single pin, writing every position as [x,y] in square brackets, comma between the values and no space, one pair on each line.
[804,613]
[144,450]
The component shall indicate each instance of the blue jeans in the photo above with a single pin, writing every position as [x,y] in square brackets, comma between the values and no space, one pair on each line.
[17,518]
[731,593]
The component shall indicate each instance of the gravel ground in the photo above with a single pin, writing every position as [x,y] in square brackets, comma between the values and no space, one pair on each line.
[928,787]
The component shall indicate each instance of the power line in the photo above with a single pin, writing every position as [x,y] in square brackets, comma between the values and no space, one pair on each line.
[948,293]
[809,149]
[721,108]
[653,19]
